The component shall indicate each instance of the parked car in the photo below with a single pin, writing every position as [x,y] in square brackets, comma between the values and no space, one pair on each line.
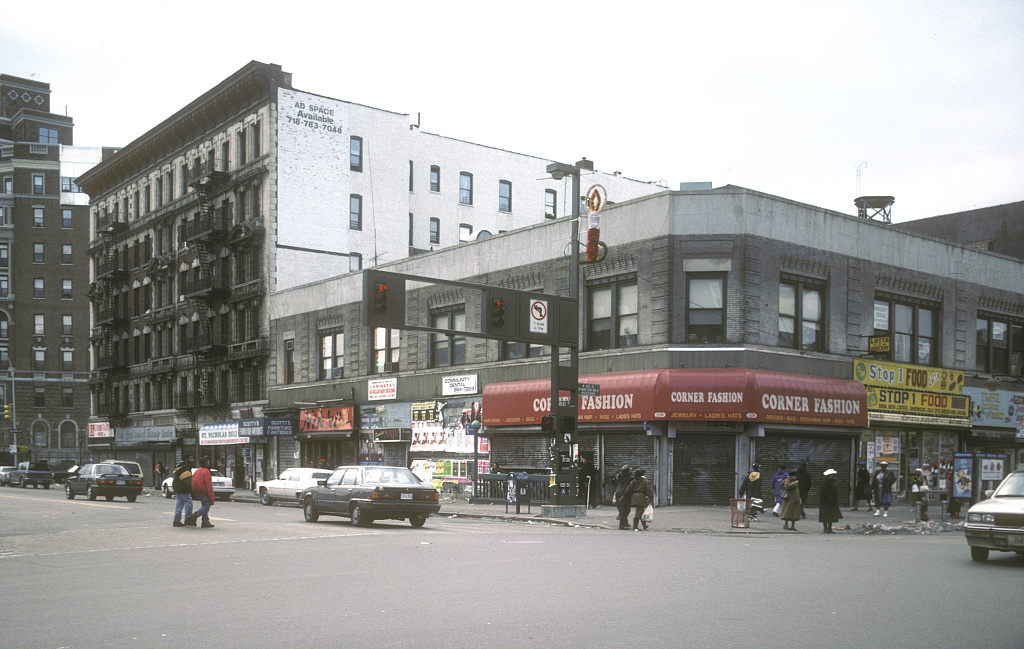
[368,493]
[222,487]
[997,523]
[103,479]
[290,484]
[32,473]
[133,468]
[5,475]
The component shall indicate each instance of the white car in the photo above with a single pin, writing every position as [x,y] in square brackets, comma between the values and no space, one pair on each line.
[222,488]
[289,485]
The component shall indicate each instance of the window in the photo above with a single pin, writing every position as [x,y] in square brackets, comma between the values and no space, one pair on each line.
[5,287]
[5,255]
[241,152]
[435,230]
[411,221]
[411,176]
[48,135]
[355,212]
[332,355]
[550,204]
[66,329]
[355,261]
[355,153]
[39,398]
[800,316]
[65,289]
[67,398]
[705,313]
[613,312]
[448,350]
[65,253]
[5,217]
[435,178]
[504,196]
[386,350]
[289,362]
[39,325]
[65,218]
[37,253]
[465,232]
[37,288]
[37,217]
[911,329]
[67,360]
[8,184]
[257,142]
[39,360]
[999,346]
[465,188]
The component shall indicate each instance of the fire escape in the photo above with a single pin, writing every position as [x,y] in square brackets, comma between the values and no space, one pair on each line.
[110,322]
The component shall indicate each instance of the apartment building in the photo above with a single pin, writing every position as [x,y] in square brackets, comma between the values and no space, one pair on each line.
[255,187]
[44,309]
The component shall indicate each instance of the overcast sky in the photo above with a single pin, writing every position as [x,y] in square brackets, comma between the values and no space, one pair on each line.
[924,98]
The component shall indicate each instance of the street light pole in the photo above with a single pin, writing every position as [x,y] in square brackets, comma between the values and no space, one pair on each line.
[558,171]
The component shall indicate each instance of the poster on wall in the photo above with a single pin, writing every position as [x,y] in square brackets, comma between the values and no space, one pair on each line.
[992,467]
[887,449]
[962,475]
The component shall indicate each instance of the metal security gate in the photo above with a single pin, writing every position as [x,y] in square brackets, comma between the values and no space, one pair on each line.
[636,450]
[704,469]
[819,453]
[521,451]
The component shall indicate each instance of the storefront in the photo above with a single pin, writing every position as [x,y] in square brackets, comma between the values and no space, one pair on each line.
[246,450]
[695,432]
[326,436]
[146,445]
[443,436]
[918,417]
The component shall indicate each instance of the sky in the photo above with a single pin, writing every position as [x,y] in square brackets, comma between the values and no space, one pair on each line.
[817,102]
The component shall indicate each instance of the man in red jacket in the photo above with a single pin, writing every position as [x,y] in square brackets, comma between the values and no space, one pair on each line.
[202,488]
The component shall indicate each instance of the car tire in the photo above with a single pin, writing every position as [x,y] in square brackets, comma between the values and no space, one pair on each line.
[89,493]
[68,493]
[309,511]
[417,521]
[358,516]
[979,554]
[265,498]
[108,498]
[131,499]
[21,483]
[167,492]
[226,499]
[46,486]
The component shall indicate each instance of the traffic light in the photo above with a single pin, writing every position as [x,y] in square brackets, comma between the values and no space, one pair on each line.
[547,423]
[383,299]
[8,412]
[501,313]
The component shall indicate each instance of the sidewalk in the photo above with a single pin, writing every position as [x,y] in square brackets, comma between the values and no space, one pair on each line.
[700,519]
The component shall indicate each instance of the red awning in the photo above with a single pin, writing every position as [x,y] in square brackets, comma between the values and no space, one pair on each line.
[737,395]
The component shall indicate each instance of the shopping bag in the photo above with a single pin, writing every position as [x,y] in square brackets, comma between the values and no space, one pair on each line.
[648,514]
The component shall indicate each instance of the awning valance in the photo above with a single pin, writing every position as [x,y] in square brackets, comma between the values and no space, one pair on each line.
[737,395]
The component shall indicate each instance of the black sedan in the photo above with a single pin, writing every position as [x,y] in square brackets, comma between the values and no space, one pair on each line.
[107,480]
[368,493]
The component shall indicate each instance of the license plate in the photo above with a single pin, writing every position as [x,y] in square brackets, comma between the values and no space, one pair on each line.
[406,496]
[1017,540]
[120,482]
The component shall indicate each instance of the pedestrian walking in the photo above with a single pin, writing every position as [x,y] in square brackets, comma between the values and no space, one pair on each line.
[202,488]
[640,496]
[751,486]
[622,479]
[862,486]
[181,482]
[780,475]
[791,505]
[588,476]
[881,486]
[158,475]
[804,477]
[828,509]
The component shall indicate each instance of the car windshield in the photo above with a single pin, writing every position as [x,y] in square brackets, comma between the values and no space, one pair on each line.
[385,475]
[321,475]
[1012,487]
[216,474]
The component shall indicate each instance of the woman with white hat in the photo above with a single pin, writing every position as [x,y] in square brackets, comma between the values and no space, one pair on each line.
[828,510]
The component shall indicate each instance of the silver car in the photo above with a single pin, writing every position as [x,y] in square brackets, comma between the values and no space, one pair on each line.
[997,523]
[289,485]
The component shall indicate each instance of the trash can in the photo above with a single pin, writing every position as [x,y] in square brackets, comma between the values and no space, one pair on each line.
[740,508]
[518,491]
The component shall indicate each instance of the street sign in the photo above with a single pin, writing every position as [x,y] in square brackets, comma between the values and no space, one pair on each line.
[538,316]
[589,389]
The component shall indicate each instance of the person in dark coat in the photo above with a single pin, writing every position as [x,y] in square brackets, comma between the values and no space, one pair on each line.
[862,486]
[587,489]
[881,486]
[751,486]
[791,506]
[622,479]
[640,495]
[828,509]
[804,477]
